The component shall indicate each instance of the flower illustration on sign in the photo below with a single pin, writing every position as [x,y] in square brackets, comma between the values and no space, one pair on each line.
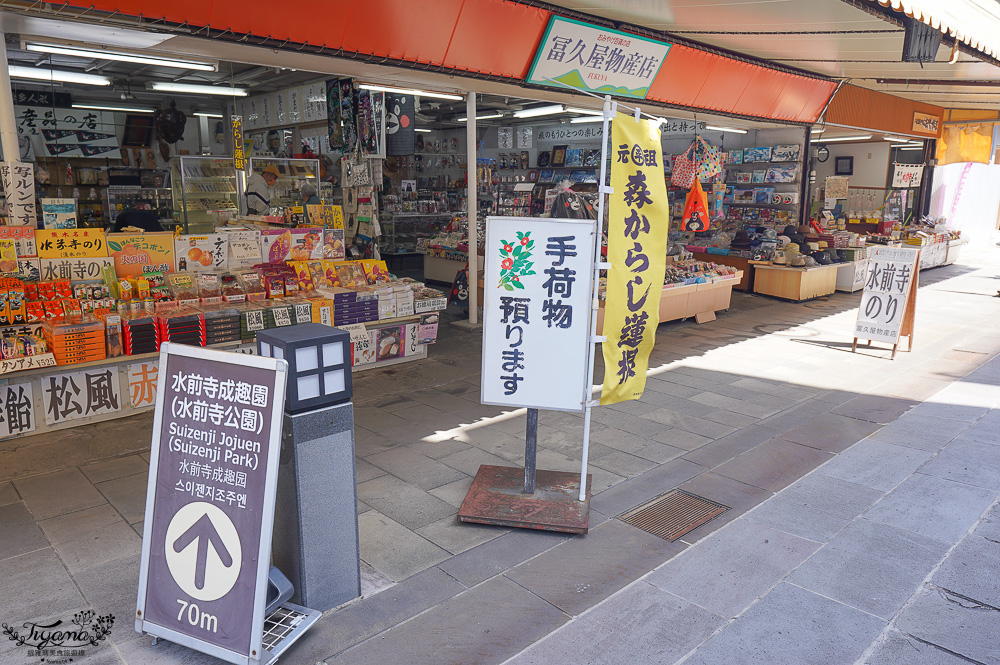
[515,261]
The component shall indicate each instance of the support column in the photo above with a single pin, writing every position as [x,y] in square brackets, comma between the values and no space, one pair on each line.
[8,128]
[473,205]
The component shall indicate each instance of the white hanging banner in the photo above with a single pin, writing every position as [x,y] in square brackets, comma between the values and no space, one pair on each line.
[907,175]
[536,312]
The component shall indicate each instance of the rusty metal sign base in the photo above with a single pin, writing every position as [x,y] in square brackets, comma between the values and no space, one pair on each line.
[497,497]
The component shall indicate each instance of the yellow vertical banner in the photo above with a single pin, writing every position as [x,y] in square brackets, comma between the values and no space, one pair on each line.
[638,217]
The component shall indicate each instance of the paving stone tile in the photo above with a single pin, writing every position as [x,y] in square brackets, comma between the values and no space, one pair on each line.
[964,461]
[875,408]
[683,439]
[469,461]
[933,507]
[639,625]
[731,418]
[20,533]
[439,449]
[791,626]
[953,624]
[685,422]
[58,493]
[582,572]
[795,416]
[722,450]
[873,567]
[792,393]
[668,388]
[875,464]
[127,495]
[36,584]
[442,400]
[831,432]
[356,622]
[164,653]
[623,464]
[633,407]
[897,648]
[773,464]
[733,567]
[921,432]
[494,557]
[403,502]
[816,507]
[454,493]
[111,542]
[740,498]
[364,471]
[989,525]
[112,587]
[416,469]
[377,420]
[372,581]
[971,570]
[80,524]
[644,425]
[115,468]
[642,488]
[744,406]
[8,494]
[967,414]
[456,537]
[394,550]
[657,452]
[484,625]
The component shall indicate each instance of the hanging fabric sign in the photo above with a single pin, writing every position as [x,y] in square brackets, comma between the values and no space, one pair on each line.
[637,250]
[400,136]
[907,175]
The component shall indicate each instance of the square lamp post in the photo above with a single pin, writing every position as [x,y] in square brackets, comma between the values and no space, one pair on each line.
[316,508]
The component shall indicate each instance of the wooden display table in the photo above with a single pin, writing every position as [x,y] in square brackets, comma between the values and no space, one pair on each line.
[701,301]
[738,262]
[795,283]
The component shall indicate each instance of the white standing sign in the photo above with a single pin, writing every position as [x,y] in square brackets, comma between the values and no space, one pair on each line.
[891,272]
[536,316]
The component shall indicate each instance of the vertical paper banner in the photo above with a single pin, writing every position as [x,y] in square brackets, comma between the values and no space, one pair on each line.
[400,135]
[334,118]
[637,249]
[19,185]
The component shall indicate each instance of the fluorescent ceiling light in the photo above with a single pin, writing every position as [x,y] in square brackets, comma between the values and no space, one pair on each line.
[113,107]
[859,137]
[421,129]
[410,91]
[588,118]
[573,109]
[483,117]
[207,114]
[121,57]
[197,89]
[40,74]
[901,139]
[912,147]
[817,130]
[726,129]
[540,110]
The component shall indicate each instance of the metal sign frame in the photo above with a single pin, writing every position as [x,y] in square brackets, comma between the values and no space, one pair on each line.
[280,367]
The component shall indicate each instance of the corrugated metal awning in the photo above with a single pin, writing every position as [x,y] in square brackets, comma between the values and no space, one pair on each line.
[972,22]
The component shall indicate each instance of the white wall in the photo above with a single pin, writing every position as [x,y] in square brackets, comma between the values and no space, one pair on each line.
[970,207]
[871,164]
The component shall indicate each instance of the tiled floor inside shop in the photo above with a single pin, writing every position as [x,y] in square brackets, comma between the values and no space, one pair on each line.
[734,410]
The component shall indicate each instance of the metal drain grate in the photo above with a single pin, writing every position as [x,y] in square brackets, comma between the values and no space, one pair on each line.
[671,515]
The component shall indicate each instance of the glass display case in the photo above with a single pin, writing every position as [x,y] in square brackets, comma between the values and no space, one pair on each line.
[201,186]
[156,200]
[293,173]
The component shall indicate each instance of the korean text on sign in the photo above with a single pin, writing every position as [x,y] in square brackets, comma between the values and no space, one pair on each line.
[887,289]
[637,249]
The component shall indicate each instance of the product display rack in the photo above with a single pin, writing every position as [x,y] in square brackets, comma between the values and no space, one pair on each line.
[201,185]
[294,173]
[403,229]
[154,199]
